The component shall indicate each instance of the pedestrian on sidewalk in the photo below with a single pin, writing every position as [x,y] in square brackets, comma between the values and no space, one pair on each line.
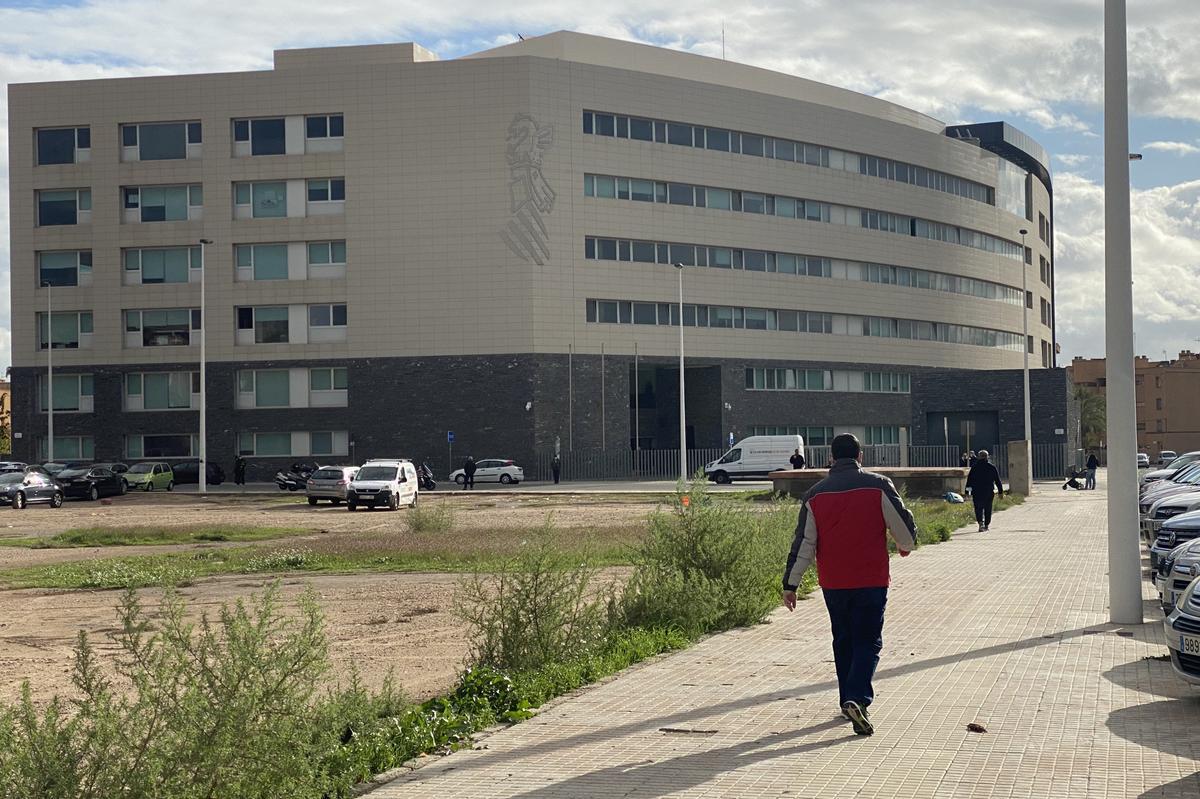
[468,473]
[980,479]
[1093,463]
[556,467]
[843,525]
[239,470]
[797,459]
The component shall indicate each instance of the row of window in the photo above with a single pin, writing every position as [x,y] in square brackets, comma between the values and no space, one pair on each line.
[730,141]
[796,379]
[164,141]
[251,200]
[658,252]
[186,445]
[173,327]
[642,190]
[823,436]
[662,313]
[165,391]
[156,265]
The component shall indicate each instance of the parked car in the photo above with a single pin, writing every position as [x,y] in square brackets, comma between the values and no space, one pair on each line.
[1187,476]
[1143,460]
[114,467]
[492,470]
[150,476]
[1172,533]
[1168,506]
[1171,468]
[1175,573]
[54,467]
[189,472]
[1182,631]
[91,483]
[383,483]
[1167,455]
[331,483]
[23,489]
[12,466]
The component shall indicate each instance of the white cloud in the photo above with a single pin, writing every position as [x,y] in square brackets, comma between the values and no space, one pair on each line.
[1174,147]
[1071,160]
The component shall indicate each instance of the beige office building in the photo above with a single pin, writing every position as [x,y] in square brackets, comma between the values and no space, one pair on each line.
[403,247]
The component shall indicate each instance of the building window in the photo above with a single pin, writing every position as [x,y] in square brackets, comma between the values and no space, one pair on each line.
[167,327]
[271,388]
[322,379]
[265,136]
[270,324]
[267,445]
[71,393]
[64,268]
[326,190]
[264,261]
[1158,404]
[68,329]
[68,448]
[160,445]
[266,200]
[63,145]
[771,379]
[327,315]
[324,126]
[64,207]
[168,265]
[1158,426]
[162,203]
[327,253]
[886,382]
[161,391]
[813,436]
[160,141]
[883,434]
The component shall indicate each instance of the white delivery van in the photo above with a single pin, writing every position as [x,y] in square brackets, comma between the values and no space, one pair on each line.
[756,456]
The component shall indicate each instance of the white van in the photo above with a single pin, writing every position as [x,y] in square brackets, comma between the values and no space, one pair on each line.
[383,483]
[756,456]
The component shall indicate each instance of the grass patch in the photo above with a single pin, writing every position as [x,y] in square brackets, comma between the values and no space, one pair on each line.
[430,519]
[149,536]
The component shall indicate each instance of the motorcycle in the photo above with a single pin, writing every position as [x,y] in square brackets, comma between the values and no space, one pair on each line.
[297,478]
[425,478]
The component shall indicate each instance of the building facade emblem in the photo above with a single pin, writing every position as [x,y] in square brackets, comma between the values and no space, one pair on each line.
[531,198]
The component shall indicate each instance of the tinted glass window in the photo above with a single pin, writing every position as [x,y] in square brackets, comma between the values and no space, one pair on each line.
[162,142]
[377,473]
[57,208]
[316,127]
[56,146]
[266,137]
[12,477]
[328,474]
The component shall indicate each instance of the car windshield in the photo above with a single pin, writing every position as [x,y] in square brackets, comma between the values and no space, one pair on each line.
[1179,463]
[141,468]
[54,468]
[72,472]
[328,474]
[377,473]
[11,477]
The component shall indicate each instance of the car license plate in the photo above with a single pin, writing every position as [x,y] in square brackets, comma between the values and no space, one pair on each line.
[1189,644]
[1155,525]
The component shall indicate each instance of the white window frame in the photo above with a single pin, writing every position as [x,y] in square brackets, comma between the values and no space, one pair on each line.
[83,271]
[253,329]
[248,400]
[85,402]
[86,448]
[83,206]
[137,407]
[134,277]
[83,338]
[250,205]
[194,322]
[132,213]
[133,152]
[81,155]
[245,273]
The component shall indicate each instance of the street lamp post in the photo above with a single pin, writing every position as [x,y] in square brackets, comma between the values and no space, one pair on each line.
[1025,303]
[49,373]
[683,468]
[203,372]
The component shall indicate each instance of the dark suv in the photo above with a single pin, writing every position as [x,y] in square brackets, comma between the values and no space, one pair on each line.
[189,472]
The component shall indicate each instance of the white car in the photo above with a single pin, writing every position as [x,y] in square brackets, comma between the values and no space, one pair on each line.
[383,484]
[1143,460]
[1175,573]
[1167,455]
[492,470]
[1182,631]
[1168,507]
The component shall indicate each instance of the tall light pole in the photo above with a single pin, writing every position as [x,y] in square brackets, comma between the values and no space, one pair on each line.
[1124,561]
[1025,303]
[203,372]
[683,467]
[49,373]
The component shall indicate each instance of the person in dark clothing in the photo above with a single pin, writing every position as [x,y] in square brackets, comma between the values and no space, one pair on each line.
[844,524]
[797,460]
[964,461]
[972,459]
[468,473]
[239,470]
[1093,463]
[556,467]
[980,479]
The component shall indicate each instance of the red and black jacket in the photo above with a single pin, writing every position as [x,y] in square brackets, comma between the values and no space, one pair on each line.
[844,524]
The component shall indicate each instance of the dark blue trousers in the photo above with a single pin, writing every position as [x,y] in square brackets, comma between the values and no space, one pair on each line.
[856,615]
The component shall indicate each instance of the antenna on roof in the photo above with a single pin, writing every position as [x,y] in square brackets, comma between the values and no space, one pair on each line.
[519,36]
[722,40]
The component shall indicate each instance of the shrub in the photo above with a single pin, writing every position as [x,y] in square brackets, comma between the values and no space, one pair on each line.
[431,518]
[709,565]
[280,560]
[539,607]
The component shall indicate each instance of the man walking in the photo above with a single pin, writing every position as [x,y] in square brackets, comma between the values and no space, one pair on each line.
[468,473]
[844,525]
[797,459]
[980,479]
[239,470]
[1093,463]
[556,468]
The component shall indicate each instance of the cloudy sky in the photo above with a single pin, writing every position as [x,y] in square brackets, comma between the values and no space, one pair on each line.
[1034,63]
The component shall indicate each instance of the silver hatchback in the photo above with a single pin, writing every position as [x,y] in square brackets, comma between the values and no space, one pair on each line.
[330,483]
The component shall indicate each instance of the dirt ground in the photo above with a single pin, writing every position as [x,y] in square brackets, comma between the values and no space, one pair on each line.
[375,622]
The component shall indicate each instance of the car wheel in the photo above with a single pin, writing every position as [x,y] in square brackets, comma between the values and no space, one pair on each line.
[93,494]
[56,500]
[171,485]
[124,488]
[416,496]
[351,506]
[312,500]
[506,479]
[19,501]
[390,503]
[460,479]
[149,485]
[721,478]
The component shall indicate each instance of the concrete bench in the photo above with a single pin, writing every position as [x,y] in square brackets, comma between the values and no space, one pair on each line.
[913,482]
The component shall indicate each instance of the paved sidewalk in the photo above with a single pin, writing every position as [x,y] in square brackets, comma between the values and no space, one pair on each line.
[1006,628]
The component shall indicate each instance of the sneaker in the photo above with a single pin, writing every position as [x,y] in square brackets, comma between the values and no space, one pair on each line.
[859,718]
[987,527]
[981,528]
